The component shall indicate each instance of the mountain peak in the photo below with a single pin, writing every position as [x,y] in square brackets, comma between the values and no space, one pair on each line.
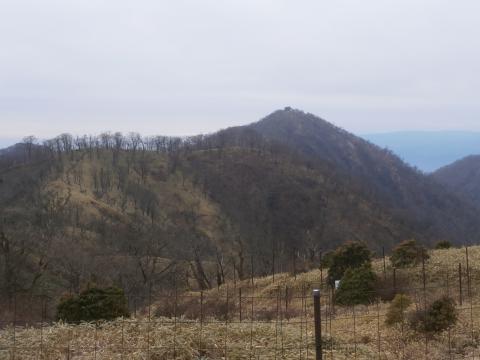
[289,113]
[292,121]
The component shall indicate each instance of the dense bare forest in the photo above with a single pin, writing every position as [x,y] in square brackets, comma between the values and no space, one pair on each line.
[144,212]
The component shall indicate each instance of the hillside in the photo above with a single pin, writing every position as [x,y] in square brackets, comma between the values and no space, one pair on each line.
[144,213]
[94,217]
[409,196]
[463,177]
[271,318]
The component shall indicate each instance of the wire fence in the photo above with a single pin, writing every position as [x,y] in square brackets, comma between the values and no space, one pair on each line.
[255,321]
[227,323]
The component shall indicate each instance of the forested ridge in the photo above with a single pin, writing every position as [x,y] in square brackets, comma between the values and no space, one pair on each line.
[146,212]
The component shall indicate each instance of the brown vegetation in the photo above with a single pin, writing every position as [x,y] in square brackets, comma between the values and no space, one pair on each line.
[347,334]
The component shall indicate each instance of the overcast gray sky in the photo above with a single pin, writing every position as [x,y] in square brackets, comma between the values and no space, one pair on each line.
[189,66]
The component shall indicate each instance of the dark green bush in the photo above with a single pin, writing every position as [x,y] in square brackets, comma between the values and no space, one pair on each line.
[408,253]
[93,304]
[357,286]
[439,316]
[441,245]
[350,255]
[396,312]
[326,260]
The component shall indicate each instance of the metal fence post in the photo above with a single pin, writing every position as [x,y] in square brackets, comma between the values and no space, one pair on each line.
[460,283]
[318,324]
[384,263]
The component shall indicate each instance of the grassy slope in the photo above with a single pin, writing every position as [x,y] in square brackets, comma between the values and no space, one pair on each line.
[292,328]
[94,231]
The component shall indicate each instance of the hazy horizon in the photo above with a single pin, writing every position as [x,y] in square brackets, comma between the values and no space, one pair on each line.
[424,149]
[8,141]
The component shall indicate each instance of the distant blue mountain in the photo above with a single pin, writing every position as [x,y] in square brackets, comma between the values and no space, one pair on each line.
[6,142]
[429,150]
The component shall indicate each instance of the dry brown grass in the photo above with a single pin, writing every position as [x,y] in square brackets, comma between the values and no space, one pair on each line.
[282,334]
[158,339]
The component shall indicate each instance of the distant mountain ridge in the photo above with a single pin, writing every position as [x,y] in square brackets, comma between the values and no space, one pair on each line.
[6,142]
[429,150]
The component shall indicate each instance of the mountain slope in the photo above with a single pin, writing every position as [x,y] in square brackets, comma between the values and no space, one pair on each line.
[463,177]
[129,210]
[409,195]
[246,198]
[272,197]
